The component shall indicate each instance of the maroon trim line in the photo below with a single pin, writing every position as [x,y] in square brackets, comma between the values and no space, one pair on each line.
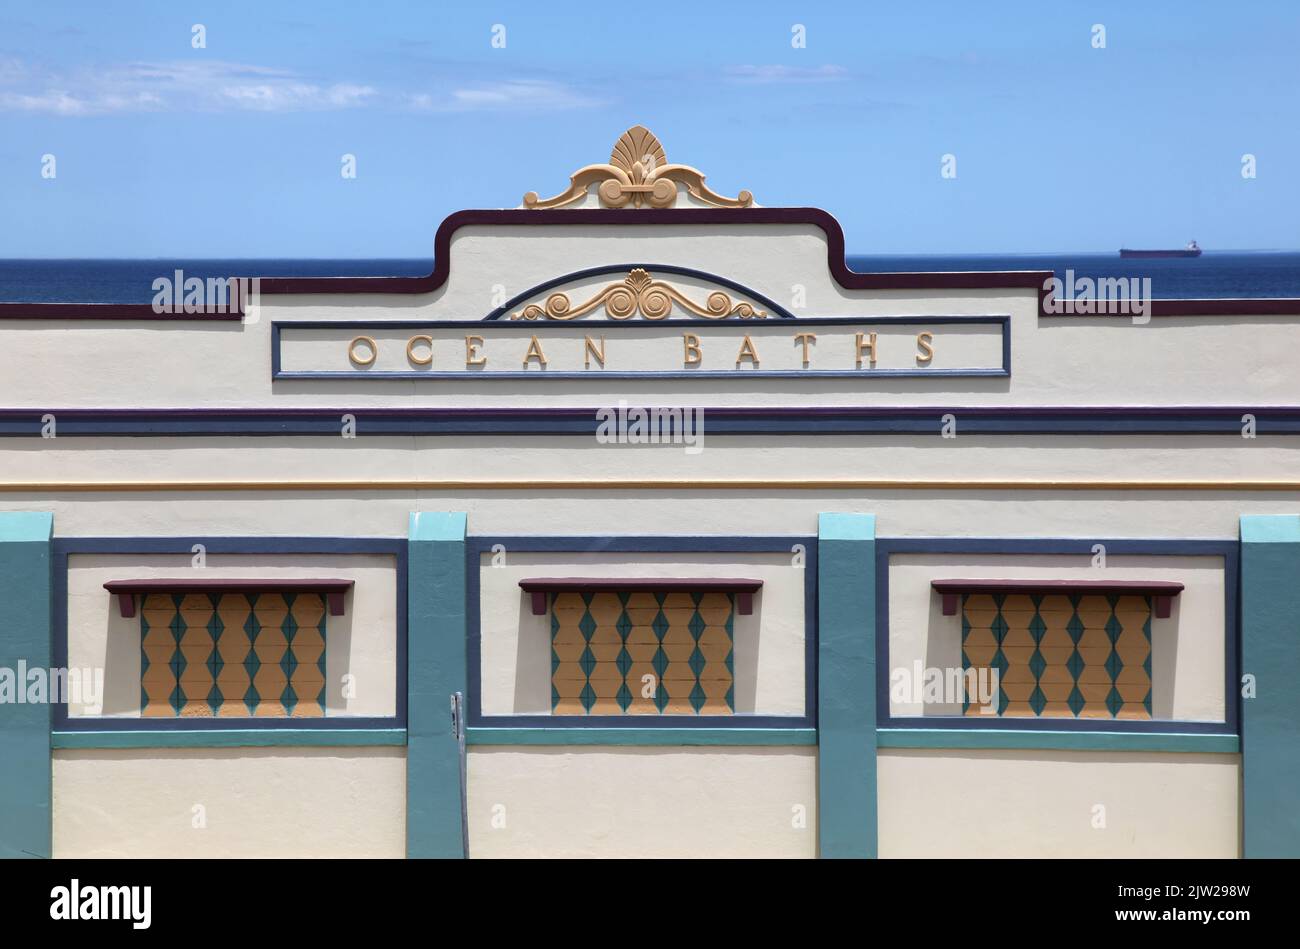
[109,311]
[835,259]
[1225,306]
[126,590]
[401,411]
[539,587]
[1162,590]
[849,279]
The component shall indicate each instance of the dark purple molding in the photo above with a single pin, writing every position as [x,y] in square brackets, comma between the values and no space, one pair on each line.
[1238,306]
[1162,590]
[539,587]
[835,253]
[835,260]
[720,420]
[126,590]
[849,279]
[110,311]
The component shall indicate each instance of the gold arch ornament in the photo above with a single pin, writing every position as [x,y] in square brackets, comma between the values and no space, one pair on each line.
[640,293]
[638,174]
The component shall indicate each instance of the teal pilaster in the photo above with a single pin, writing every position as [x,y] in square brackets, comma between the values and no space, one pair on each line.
[435,668]
[846,685]
[1270,651]
[25,643]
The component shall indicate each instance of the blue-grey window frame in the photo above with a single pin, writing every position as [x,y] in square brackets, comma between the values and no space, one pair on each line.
[1227,549]
[478,545]
[64,547]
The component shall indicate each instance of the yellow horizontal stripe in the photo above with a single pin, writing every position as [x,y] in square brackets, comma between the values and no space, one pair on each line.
[646,484]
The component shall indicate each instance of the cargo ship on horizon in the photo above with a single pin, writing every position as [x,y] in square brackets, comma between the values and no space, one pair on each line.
[1191,250]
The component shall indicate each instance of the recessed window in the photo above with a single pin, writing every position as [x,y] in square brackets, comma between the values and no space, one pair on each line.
[1059,655]
[642,652]
[232,654]
[228,647]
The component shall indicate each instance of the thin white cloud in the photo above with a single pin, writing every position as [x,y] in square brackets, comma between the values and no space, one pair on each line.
[774,73]
[170,86]
[294,96]
[507,94]
[216,86]
[55,101]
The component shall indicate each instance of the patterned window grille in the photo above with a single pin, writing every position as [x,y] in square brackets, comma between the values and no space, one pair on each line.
[642,653]
[1060,655]
[232,655]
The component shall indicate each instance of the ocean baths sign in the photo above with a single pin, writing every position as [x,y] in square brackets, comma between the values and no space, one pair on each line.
[643,327]
[819,346]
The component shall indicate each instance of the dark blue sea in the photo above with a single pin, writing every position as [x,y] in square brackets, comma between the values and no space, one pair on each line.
[1214,274]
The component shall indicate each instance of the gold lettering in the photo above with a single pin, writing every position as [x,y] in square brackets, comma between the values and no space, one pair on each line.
[805,339]
[691,345]
[472,355]
[589,350]
[535,352]
[410,350]
[358,360]
[868,347]
[747,351]
[924,348]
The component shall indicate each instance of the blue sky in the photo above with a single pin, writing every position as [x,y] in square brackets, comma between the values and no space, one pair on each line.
[235,149]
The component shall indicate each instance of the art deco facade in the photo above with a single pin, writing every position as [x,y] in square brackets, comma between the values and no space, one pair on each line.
[726,549]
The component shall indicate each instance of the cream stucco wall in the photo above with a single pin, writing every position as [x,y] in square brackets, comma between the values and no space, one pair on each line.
[1187,654]
[1098,514]
[254,802]
[642,802]
[469,458]
[691,507]
[769,643]
[362,643]
[969,803]
[1061,361]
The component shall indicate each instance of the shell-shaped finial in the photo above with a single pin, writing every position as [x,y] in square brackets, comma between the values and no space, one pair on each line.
[638,176]
[638,144]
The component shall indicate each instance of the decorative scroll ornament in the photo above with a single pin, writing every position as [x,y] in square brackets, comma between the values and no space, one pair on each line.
[638,174]
[639,293]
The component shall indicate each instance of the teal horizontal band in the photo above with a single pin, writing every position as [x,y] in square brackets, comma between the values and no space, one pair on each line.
[232,738]
[640,736]
[1056,741]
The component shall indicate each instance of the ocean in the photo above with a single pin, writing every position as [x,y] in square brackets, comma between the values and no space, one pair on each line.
[1214,274]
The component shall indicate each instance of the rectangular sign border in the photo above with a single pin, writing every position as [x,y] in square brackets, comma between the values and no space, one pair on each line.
[1003,321]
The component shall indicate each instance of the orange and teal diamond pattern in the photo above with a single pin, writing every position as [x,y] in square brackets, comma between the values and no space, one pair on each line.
[231,655]
[1060,655]
[642,653]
